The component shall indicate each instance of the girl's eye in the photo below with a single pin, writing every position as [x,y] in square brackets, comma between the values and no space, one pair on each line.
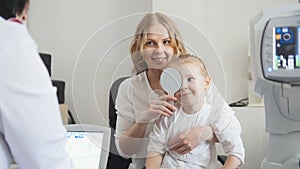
[189,79]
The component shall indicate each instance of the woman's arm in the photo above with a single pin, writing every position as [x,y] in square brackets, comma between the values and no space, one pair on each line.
[232,162]
[153,160]
[130,134]
[132,139]
[187,141]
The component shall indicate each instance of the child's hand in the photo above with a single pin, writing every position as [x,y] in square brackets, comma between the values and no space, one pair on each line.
[159,106]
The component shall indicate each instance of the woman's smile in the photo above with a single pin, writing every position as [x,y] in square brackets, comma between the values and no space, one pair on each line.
[159,59]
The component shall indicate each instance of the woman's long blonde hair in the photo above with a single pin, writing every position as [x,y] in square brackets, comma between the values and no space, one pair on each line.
[140,38]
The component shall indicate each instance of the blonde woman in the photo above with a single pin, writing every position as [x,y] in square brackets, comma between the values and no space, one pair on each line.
[141,100]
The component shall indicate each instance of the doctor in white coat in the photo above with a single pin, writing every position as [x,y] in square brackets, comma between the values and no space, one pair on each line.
[31,129]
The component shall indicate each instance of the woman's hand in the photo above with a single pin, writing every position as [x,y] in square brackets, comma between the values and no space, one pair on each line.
[133,138]
[187,141]
[178,97]
[159,106]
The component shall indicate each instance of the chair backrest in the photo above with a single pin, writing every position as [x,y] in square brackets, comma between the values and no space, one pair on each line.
[46,58]
[115,161]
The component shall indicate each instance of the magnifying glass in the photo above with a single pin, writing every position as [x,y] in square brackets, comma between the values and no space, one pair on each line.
[171,81]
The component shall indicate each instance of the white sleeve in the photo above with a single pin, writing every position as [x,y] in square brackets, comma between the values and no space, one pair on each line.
[159,135]
[125,113]
[226,126]
[121,126]
[228,131]
[30,116]
[124,105]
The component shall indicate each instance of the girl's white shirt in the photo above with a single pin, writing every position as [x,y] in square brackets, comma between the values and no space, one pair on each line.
[134,97]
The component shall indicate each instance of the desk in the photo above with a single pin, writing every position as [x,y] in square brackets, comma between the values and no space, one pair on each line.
[64,113]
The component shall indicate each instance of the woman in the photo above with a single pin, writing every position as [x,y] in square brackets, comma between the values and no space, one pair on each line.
[141,100]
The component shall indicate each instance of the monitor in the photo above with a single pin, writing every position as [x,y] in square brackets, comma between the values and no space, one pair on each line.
[88,146]
[280,49]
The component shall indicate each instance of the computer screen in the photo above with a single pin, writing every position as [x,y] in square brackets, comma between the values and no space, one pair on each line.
[85,148]
[280,50]
[286,47]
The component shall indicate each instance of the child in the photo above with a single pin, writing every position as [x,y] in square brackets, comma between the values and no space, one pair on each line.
[195,110]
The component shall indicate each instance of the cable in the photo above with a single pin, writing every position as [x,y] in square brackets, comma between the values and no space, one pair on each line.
[241,103]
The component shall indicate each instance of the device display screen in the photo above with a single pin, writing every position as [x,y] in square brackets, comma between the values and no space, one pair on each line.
[84,149]
[286,48]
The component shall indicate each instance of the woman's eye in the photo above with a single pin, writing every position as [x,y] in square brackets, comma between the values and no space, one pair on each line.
[167,42]
[149,43]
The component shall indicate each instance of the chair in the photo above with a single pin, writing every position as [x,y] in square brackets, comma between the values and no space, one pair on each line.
[114,158]
[59,84]
[115,161]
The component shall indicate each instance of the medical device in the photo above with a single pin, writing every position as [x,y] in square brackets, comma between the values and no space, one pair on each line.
[275,50]
[88,145]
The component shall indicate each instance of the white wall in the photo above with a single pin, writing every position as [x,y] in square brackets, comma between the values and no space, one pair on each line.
[89,41]
[226,24]
[78,33]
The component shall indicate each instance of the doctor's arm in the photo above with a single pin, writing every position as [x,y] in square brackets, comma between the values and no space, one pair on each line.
[31,118]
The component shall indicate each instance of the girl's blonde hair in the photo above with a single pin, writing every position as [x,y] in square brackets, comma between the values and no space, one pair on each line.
[188,58]
[140,38]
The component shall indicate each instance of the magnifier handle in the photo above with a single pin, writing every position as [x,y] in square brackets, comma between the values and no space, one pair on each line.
[171,102]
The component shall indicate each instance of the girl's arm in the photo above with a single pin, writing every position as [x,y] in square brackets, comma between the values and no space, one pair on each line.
[228,131]
[153,160]
[232,162]
[158,139]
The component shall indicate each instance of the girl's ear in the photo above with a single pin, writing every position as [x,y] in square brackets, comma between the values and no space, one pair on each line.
[207,83]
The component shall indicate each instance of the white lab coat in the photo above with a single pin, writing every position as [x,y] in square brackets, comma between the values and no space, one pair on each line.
[31,130]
